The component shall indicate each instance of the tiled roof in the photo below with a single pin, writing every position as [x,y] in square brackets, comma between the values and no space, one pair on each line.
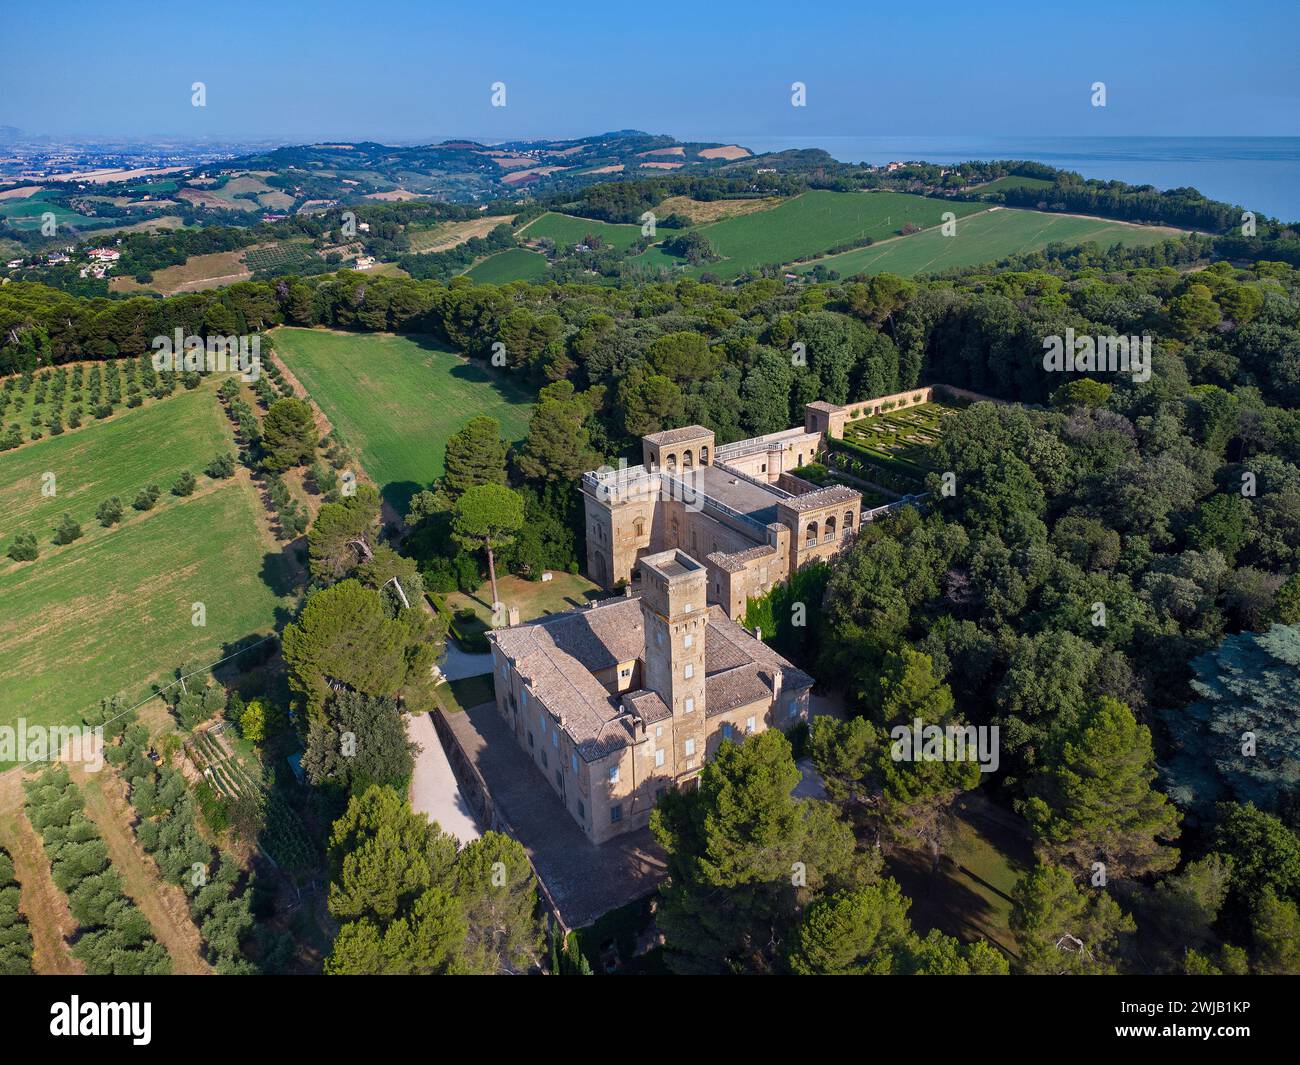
[823,497]
[676,436]
[558,655]
[735,561]
[648,705]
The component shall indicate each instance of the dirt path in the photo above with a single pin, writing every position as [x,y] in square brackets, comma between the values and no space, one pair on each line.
[42,903]
[164,905]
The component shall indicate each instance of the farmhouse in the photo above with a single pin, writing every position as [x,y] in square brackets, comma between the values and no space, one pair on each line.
[740,508]
[617,702]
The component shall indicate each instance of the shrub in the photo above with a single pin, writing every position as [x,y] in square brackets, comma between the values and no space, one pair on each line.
[184,485]
[109,512]
[24,548]
[147,498]
[67,531]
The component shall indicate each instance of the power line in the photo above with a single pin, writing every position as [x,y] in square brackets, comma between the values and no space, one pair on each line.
[156,694]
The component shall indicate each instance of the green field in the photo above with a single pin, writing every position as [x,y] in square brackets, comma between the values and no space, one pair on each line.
[513,264]
[113,613]
[113,610]
[396,400]
[153,443]
[286,255]
[1014,181]
[26,213]
[986,238]
[809,224]
[567,230]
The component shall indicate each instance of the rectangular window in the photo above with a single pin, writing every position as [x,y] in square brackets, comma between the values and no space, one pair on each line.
[530,739]
[749,724]
[726,730]
[659,757]
[690,748]
[544,761]
[582,811]
[659,731]
[690,704]
[616,813]
[613,774]
[573,762]
[559,780]
[689,671]
[555,738]
[688,640]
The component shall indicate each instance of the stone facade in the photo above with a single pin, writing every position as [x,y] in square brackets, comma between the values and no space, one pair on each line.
[618,702]
[737,507]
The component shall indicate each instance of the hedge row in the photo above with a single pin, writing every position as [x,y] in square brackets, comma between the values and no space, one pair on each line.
[115,938]
[167,829]
[15,937]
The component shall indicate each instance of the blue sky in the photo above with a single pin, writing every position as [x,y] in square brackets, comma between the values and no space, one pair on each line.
[415,71]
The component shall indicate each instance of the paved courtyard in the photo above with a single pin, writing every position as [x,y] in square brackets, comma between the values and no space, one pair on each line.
[585,880]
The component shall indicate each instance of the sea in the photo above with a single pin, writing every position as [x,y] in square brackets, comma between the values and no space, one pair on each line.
[1260,174]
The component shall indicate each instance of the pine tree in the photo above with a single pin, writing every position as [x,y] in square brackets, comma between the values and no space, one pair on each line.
[1063,930]
[1093,801]
[475,455]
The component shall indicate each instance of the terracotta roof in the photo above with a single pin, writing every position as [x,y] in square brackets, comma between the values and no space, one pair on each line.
[676,436]
[647,705]
[823,497]
[558,655]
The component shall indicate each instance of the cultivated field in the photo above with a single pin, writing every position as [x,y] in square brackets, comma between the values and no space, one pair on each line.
[395,400]
[986,238]
[118,457]
[444,235]
[567,230]
[1014,181]
[807,225]
[112,611]
[513,264]
[701,212]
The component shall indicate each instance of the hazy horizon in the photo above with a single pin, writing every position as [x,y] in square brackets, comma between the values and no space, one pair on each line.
[416,73]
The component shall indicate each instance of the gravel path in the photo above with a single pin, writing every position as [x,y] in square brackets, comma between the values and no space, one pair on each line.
[433,785]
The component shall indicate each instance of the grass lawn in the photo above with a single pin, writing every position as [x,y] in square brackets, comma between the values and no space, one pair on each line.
[457,696]
[567,230]
[152,443]
[565,591]
[987,238]
[397,399]
[902,436]
[969,895]
[1015,181]
[513,264]
[809,224]
[112,611]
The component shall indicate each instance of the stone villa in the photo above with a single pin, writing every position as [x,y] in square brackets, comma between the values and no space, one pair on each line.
[621,700]
[737,507]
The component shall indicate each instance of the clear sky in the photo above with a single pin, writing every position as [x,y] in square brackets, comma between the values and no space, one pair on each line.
[414,71]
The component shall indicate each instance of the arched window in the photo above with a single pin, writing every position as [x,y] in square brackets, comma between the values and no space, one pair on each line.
[830,528]
[687,461]
[704,454]
[812,534]
[848,521]
[671,462]
[638,527]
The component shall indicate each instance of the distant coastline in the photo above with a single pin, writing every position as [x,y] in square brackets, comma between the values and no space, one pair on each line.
[1261,174]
